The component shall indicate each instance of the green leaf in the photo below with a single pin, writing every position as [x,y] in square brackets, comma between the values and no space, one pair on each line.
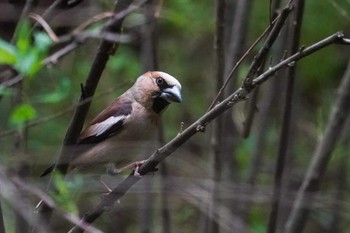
[30,55]
[58,95]
[29,63]
[22,114]
[66,191]
[42,41]
[8,53]
[23,37]
[6,91]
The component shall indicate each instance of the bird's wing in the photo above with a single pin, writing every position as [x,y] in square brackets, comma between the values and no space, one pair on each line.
[108,123]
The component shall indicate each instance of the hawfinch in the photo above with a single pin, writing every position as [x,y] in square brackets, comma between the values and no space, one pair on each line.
[126,129]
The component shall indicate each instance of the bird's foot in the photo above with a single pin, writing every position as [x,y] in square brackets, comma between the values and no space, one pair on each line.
[108,189]
[136,165]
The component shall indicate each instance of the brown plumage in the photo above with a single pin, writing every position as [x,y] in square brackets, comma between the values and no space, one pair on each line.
[126,129]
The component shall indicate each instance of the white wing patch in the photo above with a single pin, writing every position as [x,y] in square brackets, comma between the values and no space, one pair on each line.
[103,126]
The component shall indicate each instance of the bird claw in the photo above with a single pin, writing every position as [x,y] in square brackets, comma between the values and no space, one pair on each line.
[108,189]
[137,166]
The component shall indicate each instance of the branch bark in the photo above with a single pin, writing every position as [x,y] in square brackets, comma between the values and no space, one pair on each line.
[217,133]
[321,158]
[2,226]
[105,50]
[149,60]
[200,125]
[286,121]
[260,57]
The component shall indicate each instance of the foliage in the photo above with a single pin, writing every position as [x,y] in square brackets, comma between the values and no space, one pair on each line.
[27,56]
[67,192]
[185,31]
[22,114]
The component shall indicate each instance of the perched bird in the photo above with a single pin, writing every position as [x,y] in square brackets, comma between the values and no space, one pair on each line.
[124,131]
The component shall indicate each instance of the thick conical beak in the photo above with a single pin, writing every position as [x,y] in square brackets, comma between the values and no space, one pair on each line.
[172,94]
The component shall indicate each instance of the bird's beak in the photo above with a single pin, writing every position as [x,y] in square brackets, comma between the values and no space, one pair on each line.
[172,94]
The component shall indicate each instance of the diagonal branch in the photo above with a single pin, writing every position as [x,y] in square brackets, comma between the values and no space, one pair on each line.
[23,186]
[199,126]
[105,49]
[272,31]
[261,56]
[286,121]
[321,157]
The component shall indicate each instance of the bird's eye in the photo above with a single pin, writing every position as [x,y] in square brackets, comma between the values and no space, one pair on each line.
[160,81]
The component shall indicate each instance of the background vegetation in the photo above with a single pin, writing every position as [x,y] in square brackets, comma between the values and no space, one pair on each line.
[222,180]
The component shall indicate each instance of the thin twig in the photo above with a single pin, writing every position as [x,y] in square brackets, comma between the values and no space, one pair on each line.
[94,19]
[77,37]
[321,158]
[237,65]
[286,121]
[49,13]
[20,203]
[336,38]
[53,58]
[22,185]
[46,26]
[216,137]
[163,152]
[2,225]
[57,114]
[29,5]
[149,61]
[105,49]
[261,56]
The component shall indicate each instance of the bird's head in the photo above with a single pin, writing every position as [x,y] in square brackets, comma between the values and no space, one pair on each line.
[157,89]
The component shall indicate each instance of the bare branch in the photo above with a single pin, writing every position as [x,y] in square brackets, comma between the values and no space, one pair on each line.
[321,157]
[286,121]
[50,12]
[261,56]
[277,24]
[45,25]
[24,186]
[2,225]
[105,49]
[198,126]
[216,137]
[94,19]
[337,38]
[20,203]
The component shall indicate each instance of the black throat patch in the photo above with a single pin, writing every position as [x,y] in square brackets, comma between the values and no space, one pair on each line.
[159,104]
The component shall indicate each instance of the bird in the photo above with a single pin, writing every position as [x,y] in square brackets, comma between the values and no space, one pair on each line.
[127,127]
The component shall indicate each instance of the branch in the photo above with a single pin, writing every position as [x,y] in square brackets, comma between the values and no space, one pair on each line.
[286,121]
[105,49]
[2,225]
[261,56]
[27,188]
[29,5]
[19,202]
[77,37]
[149,61]
[336,38]
[217,133]
[198,126]
[321,157]
[49,13]
[59,113]
[275,28]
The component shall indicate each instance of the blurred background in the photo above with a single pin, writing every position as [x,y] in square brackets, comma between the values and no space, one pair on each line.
[192,191]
